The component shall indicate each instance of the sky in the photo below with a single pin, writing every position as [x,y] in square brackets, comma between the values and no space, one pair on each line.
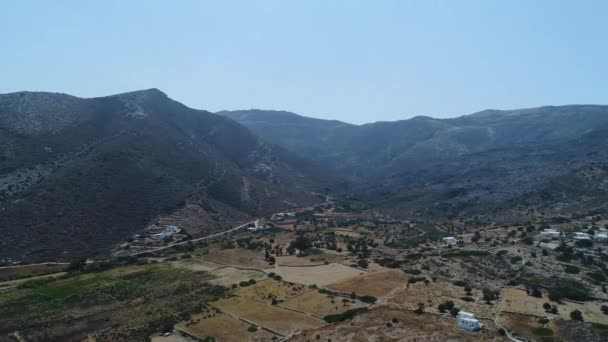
[355,61]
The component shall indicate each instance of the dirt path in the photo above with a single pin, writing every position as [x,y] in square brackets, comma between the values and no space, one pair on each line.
[39,264]
[217,234]
[194,240]
[13,283]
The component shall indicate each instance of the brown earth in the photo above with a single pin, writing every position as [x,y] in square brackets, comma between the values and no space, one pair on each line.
[223,328]
[377,284]
[237,257]
[315,275]
[378,325]
[268,289]
[321,305]
[277,319]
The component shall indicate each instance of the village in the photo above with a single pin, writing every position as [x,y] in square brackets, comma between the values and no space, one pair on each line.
[326,274]
[331,273]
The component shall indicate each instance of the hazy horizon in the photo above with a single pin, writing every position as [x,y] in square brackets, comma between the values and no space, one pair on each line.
[354,62]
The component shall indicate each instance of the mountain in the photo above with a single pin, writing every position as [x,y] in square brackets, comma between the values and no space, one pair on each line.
[306,136]
[489,160]
[79,175]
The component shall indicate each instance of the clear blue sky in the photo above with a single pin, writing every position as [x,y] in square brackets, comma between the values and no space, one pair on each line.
[357,61]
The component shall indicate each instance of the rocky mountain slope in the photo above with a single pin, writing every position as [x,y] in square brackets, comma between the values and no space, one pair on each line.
[78,175]
[484,161]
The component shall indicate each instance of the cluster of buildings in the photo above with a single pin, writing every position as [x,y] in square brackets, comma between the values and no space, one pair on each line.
[168,232]
[283,216]
[598,236]
[256,227]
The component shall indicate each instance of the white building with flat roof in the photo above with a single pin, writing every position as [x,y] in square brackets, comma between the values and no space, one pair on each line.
[448,241]
[579,236]
[600,237]
[468,322]
[550,233]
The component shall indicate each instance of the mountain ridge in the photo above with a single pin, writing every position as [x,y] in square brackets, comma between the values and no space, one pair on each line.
[503,155]
[91,172]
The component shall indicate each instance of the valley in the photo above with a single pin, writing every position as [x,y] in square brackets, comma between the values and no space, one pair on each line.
[306,171]
[326,273]
[135,218]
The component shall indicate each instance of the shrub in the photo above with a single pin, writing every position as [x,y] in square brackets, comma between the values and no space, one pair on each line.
[576,315]
[413,280]
[362,263]
[570,290]
[413,271]
[449,305]
[584,243]
[572,269]
[516,259]
[542,332]
[597,276]
[460,283]
[368,299]
[344,316]
[252,328]
[468,290]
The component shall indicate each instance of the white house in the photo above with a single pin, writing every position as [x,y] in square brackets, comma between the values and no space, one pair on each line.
[448,241]
[256,226]
[550,233]
[600,237]
[172,229]
[167,232]
[579,236]
[468,322]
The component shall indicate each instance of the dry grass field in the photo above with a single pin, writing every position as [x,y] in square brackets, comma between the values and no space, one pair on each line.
[495,233]
[345,232]
[237,257]
[434,294]
[223,328]
[385,324]
[196,264]
[268,289]
[321,305]
[27,271]
[229,275]
[292,260]
[316,275]
[517,301]
[377,284]
[170,338]
[277,319]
